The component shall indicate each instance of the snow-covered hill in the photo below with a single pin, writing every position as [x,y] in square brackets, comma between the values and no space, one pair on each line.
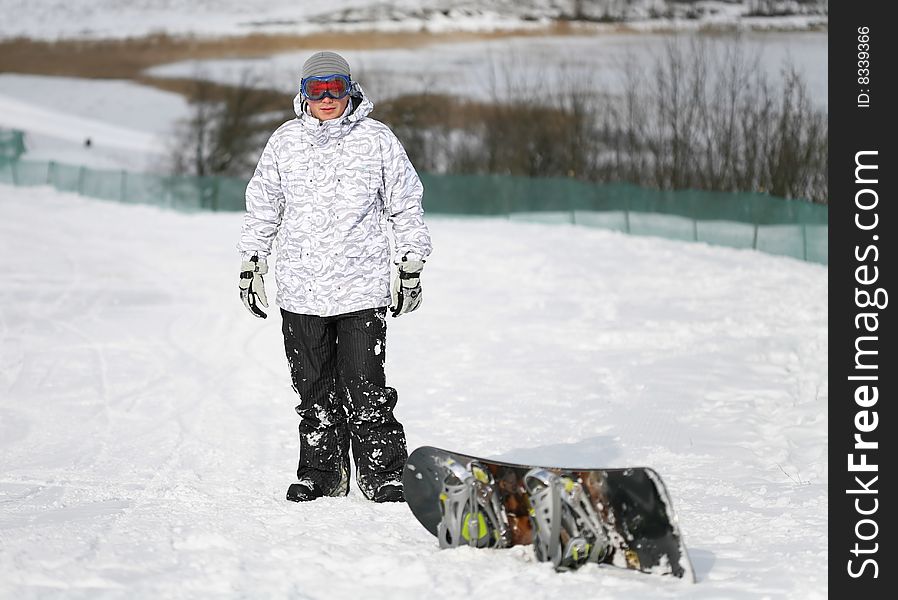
[96,19]
[130,126]
[595,11]
[147,432]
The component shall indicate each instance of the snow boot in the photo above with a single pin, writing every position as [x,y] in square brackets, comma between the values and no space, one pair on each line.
[315,484]
[390,491]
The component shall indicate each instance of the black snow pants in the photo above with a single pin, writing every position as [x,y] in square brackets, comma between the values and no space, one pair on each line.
[337,367]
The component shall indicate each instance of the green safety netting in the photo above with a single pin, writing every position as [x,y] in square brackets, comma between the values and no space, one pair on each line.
[12,144]
[507,194]
[741,220]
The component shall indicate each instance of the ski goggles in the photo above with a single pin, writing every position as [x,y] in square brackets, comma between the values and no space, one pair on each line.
[316,88]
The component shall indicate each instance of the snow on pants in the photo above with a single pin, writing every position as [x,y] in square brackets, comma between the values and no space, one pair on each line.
[337,367]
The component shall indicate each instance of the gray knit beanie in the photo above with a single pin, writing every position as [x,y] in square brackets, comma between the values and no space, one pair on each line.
[325,63]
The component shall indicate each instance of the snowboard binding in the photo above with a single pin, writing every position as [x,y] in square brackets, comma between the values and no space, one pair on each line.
[471,511]
[621,518]
[566,529]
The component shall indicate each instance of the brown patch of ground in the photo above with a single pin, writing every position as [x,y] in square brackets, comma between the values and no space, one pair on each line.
[126,59]
[266,100]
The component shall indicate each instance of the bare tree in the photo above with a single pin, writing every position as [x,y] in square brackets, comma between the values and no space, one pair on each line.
[704,116]
[713,120]
[227,127]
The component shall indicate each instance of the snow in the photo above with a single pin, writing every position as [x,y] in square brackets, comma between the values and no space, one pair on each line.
[147,431]
[129,125]
[103,19]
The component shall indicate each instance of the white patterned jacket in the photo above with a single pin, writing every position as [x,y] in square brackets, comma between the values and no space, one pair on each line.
[326,191]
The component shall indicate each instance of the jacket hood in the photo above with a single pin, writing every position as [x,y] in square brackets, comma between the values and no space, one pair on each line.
[358,108]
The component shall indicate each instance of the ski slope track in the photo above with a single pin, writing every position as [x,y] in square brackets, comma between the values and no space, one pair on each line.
[147,431]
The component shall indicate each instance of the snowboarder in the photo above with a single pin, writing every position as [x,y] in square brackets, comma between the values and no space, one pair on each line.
[328,186]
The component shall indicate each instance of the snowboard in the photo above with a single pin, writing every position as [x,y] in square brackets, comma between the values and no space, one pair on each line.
[640,528]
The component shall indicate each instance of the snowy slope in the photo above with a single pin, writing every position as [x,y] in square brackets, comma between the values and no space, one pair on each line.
[147,434]
[98,19]
[130,126]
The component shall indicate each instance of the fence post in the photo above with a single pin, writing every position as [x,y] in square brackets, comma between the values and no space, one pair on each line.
[168,185]
[804,242]
[217,191]
[81,173]
[754,239]
[51,170]
[124,196]
[14,171]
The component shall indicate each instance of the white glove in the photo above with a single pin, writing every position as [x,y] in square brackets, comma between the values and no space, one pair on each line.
[407,286]
[252,286]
